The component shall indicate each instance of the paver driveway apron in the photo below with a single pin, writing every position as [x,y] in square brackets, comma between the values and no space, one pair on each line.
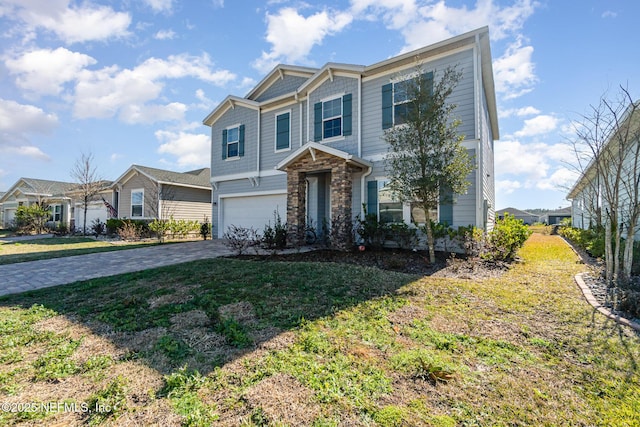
[25,276]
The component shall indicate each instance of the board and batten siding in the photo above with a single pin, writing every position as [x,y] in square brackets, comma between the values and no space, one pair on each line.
[463,95]
[281,87]
[238,115]
[340,86]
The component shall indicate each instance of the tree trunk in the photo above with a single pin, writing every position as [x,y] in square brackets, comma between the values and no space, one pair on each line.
[430,243]
[608,253]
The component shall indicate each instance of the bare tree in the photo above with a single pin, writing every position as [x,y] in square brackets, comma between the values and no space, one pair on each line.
[85,174]
[607,149]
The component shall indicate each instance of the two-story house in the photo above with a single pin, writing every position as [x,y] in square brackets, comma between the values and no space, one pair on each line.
[309,143]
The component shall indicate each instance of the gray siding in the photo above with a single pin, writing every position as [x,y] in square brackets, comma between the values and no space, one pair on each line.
[464,206]
[463,95]
[187,203]
[269,158]
[150,208]
[281,87]
[235,116]
[338,87]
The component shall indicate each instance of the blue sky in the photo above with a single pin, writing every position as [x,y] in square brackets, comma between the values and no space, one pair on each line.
[130,81]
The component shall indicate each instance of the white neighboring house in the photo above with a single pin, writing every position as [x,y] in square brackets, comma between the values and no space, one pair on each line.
[586,199]
[28,191]
[97,209]
[308,142]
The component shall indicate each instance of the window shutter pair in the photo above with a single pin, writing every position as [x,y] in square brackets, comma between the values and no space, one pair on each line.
[347,118]
[240,142]
[387,100]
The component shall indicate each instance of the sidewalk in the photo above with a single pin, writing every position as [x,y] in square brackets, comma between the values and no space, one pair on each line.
[26,276]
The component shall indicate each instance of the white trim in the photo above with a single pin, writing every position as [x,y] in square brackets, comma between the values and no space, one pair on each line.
[245,175]
[135,190]
[275,131]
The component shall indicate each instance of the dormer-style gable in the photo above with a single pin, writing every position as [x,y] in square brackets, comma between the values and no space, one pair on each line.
[283,79]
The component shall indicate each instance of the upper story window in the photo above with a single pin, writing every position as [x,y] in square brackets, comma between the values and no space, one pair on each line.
[283,131]
[137,203]
[332,118]
[233,142]
[397,97]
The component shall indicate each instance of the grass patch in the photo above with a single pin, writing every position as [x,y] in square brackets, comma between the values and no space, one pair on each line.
[59,247]
[265,343]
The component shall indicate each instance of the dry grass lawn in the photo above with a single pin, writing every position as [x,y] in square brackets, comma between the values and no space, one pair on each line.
[229,342]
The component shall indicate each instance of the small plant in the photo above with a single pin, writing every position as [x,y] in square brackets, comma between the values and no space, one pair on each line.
[108,402]
[173,348]
[129,231]
[402,235]
[98,227]
[370,230]
[205,228]
[239,239]
[235,334]
[275,237]
[160,228]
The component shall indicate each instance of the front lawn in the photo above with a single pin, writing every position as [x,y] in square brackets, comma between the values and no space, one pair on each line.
[58,247]
[235,342]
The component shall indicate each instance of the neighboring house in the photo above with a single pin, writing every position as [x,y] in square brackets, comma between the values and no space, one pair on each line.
[556,217]
[308,142]
[28,191]
[149,193]
[526,217]
[585,196]
[2,193]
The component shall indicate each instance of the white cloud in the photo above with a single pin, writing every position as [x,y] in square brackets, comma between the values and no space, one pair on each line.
[25,151]
[514,71]
[506,186]
[174,111]
[160,5]
[609,14]
[561,179]
[115,157]
[18,120]
[527,160]
[190,149]
[165,35]
[292,36]
[72,24]
[106,92]
[537,126]
[518,112]
[45,71]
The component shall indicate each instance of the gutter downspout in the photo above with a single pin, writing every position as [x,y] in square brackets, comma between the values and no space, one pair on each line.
[362,188]
[258,154]
[360,115]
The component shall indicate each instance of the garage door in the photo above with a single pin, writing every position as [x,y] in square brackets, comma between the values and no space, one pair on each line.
[253,211]
[94,211]
[9,215]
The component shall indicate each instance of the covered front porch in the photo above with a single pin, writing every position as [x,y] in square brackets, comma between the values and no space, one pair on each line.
[320,191]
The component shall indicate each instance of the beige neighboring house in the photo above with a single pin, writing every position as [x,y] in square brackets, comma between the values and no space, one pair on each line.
[97,210]
[28,191]
[149,193]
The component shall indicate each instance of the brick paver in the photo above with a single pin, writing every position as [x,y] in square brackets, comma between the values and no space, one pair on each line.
[26,276]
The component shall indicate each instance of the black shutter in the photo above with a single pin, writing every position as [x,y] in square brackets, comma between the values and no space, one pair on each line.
[241,141]
[317,121]
[224,144]
[387,106]
[346,115]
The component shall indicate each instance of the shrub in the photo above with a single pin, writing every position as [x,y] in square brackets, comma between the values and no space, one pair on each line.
[507,236]
[160,228]
[404,236]
[205,229]
[32,218]
[97,227]
[275,237]
[370,230]
[129,231]
[239,239]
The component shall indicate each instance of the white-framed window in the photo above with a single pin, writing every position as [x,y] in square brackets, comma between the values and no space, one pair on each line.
[137,203]
[283,131]
[56,213]
[332,118]
[233,142]
[397,98]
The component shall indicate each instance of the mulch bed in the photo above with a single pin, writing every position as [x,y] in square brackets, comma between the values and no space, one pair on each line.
[404,261]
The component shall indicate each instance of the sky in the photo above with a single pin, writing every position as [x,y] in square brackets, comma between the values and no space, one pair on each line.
[130,81]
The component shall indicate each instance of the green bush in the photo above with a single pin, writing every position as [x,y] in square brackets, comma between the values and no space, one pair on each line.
[371,231]
[508,235]
[275,237]
[591,240]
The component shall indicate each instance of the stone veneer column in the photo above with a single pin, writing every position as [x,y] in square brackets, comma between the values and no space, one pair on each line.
[296,205]
[341,197]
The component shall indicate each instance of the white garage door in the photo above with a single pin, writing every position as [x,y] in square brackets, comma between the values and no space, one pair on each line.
[253,211]
[9,215]
[94,211]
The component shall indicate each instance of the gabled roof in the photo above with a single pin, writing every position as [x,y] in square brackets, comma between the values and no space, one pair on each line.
[198,178]
[481,36]
[313,147]
[278,72]
[39,188]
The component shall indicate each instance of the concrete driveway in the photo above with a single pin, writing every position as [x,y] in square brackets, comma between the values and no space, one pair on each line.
[26,276]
